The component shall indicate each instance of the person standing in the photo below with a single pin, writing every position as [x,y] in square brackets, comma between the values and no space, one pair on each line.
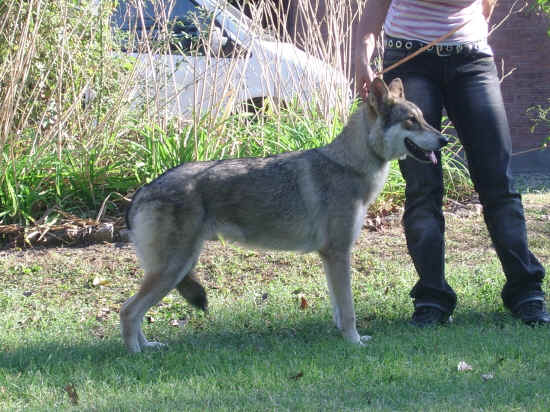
[460,76]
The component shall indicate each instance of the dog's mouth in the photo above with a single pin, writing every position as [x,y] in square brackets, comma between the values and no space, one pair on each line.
[427,156]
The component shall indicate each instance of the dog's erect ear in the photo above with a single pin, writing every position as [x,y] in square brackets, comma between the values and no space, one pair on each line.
[378,93]
[397,89]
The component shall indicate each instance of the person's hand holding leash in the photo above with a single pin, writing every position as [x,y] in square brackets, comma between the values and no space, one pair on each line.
[364,73]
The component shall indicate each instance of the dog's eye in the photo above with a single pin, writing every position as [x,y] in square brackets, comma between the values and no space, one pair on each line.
[411,121]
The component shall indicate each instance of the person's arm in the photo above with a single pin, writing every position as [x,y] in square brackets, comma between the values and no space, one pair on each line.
[368,31]
[488,8]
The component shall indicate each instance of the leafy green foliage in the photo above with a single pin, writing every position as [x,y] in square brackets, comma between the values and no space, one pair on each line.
[544,5]
[60,92]
[540,116]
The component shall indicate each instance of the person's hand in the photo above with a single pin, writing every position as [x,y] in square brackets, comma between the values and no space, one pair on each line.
[364,78]
[364,75]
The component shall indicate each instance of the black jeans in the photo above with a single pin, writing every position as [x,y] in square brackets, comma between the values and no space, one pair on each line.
[467,86]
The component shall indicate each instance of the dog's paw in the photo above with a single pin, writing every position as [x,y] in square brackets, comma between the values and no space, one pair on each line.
[357,339]
[153,346]
[133,348]
[364,339]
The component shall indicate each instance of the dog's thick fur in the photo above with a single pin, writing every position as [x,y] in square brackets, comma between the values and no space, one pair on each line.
[313,200]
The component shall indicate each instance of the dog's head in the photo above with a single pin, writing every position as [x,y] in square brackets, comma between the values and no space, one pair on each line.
[400,129]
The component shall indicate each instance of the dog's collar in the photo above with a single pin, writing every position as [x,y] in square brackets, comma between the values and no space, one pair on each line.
[340,165]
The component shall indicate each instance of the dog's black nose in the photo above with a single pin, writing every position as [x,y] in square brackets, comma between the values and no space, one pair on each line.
[443,141]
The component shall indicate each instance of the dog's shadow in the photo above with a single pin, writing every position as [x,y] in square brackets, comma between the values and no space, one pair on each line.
[307,335]
[110,349]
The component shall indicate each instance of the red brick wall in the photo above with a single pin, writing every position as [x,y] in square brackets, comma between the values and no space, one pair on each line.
[524,44]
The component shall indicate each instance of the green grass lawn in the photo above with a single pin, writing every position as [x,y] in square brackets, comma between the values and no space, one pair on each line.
[257,348]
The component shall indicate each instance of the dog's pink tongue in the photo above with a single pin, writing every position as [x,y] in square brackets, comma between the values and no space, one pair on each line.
[433,158]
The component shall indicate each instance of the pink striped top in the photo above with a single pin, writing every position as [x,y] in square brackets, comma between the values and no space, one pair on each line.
[426,20]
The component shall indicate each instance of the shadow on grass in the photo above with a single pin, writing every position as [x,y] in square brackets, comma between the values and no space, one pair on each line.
[306,335]
[214,335]
[300,364]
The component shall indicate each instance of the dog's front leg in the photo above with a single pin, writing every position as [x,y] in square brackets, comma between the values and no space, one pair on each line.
[338,274]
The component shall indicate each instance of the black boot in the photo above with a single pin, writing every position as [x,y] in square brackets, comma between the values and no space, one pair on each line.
[532,311]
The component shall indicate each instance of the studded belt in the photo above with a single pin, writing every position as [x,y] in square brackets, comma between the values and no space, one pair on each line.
[440,50]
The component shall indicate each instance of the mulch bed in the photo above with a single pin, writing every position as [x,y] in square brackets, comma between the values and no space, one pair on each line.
[72,232]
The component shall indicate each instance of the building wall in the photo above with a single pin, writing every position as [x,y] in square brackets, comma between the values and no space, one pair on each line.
[522,42]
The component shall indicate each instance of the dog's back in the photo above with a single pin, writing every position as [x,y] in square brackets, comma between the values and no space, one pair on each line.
[282,202]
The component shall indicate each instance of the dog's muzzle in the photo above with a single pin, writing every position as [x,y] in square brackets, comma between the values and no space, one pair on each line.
[426,156]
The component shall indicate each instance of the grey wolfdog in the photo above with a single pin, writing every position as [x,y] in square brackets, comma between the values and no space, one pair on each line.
[312,200]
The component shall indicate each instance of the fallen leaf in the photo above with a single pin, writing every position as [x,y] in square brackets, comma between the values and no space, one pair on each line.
[463,367]
[99,281]
[487,376]
[98,333]
[71,391]
[260,300]
[102,314]
[298,376]
[179,323]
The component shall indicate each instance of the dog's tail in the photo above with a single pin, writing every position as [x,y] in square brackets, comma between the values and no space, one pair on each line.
[193,292]
[129,212]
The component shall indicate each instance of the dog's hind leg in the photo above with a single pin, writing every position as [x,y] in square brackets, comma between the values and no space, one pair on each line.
[338,274]
[159,280]
[168,239]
